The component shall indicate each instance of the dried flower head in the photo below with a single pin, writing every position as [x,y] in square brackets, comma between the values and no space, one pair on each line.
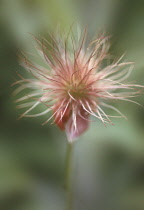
[72,84]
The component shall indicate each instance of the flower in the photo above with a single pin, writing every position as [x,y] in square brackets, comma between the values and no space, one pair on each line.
[72,84]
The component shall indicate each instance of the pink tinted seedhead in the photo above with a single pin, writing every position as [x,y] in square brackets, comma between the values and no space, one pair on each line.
[72,83]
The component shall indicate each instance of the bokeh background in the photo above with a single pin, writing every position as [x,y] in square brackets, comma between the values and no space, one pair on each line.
[108,162]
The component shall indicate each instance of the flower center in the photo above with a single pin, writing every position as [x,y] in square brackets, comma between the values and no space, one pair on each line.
[77,91]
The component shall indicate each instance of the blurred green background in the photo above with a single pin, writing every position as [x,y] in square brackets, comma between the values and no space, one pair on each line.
[108,162]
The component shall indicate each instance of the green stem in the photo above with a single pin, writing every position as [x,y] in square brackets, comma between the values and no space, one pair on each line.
[68,177]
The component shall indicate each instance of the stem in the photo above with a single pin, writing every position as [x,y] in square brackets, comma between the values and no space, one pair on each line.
[68,170]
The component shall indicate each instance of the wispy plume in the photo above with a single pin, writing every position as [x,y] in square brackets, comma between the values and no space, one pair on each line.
[73,84]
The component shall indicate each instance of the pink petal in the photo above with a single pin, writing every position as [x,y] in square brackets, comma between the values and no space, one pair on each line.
[81,126]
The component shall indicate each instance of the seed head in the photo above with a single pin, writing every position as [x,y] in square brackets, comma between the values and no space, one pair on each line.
[73,84]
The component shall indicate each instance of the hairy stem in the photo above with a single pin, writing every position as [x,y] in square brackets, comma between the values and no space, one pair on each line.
[68,177]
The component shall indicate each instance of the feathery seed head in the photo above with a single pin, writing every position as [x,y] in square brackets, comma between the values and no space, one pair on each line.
[72,83]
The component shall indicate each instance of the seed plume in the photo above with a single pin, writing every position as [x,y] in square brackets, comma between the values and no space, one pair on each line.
[74,83]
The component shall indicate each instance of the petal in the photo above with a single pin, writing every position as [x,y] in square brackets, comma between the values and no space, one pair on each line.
[72,131]
[62,116]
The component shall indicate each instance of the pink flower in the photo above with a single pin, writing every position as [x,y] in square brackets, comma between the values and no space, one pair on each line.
[72,83]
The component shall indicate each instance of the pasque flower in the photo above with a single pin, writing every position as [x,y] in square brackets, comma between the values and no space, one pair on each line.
[74,83]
